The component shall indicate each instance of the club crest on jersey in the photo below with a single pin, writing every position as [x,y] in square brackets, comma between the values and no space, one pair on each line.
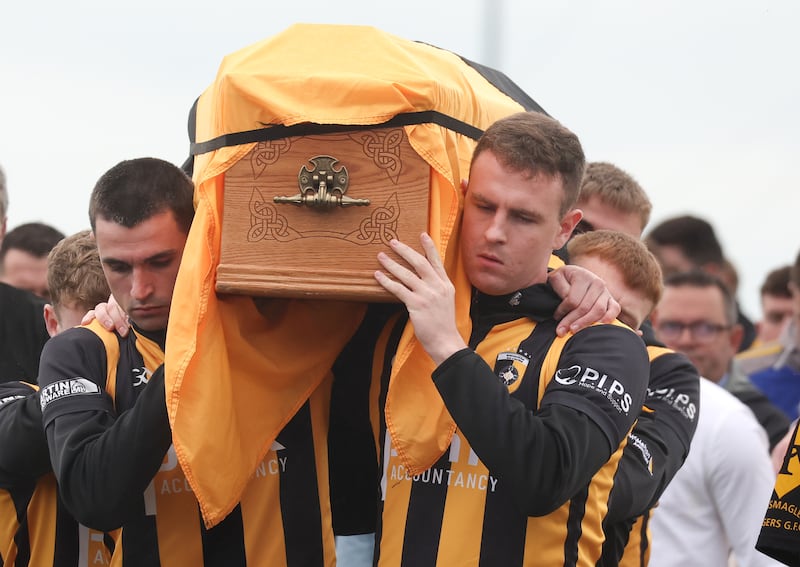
[67,388]
[510,367]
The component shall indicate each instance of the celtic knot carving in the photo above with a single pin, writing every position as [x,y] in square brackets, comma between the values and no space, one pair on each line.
[268,153]
[380,226]
[384,149]
[266,223]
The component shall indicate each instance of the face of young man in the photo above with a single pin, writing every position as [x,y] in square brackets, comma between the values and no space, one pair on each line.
[598,215]
[141,265]
[777,312]
[691,320]
[25,271]
[635,306]
[511,224]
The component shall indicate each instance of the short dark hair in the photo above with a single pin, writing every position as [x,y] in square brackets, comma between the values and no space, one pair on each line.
[532,142]
[134,190]
[35,238]
[694,237]
[776,283]
[795,273]
[701,279]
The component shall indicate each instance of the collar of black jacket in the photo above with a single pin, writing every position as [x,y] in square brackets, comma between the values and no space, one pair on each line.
[537,302]
[159,337]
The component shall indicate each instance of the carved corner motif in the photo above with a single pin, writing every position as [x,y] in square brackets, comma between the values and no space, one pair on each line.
[384,150]
[266,223]
[380,226]
[267,153]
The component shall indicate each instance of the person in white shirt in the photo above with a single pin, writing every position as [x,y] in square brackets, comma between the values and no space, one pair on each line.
[714,506]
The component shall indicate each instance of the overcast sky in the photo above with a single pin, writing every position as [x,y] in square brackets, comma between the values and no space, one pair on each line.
[697,100]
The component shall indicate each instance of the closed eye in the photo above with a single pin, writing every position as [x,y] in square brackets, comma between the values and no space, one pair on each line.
[117,267]
[160,262]
[524,218]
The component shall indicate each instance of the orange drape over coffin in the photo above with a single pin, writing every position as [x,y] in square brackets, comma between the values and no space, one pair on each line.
[234,377]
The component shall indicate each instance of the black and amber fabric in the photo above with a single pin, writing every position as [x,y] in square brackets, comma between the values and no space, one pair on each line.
[541,422]
[637,549]
[780,531]
[657,447]
[35,527]
[104,411]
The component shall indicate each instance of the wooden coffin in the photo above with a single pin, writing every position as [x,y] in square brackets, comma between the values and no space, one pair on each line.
[306,216]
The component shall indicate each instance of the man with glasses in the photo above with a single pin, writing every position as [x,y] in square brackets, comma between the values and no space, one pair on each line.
[697,317]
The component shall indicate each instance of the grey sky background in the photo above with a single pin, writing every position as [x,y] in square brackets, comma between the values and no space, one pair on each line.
[697,100]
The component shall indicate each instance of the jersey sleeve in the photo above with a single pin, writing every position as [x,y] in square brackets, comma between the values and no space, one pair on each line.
[659,442]
[603,373]
[102,461]
[514,442]
[72,375]
[24,455]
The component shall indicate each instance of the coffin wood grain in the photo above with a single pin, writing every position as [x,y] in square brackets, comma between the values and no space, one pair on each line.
[284,250]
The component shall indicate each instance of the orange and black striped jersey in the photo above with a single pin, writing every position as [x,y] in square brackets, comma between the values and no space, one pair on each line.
[35,527]
[657,447]
[104,409]
[540,422]
[636,552]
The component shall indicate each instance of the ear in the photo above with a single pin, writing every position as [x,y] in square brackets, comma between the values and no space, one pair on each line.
[566,226]
[50,320]
[464,186]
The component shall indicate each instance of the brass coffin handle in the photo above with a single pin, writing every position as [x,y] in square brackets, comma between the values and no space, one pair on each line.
[322,187]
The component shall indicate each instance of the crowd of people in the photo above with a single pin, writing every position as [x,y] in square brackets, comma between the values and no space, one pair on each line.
[588,393]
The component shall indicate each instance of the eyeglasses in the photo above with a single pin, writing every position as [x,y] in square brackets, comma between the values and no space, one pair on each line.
[699,330]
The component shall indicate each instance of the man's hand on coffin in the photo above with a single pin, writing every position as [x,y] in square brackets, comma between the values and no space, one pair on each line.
[428,294]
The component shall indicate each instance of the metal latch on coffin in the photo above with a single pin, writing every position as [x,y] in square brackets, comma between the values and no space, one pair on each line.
[322,187]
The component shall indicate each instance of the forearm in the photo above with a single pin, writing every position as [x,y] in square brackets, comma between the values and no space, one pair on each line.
[545,456]
[24,453]
[659,442]
[650,460]
[103,464]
